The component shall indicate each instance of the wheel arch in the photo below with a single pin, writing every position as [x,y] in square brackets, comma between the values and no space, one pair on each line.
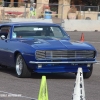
[26,72]
[15,55]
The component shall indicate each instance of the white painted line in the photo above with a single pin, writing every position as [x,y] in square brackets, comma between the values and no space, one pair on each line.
[18,94]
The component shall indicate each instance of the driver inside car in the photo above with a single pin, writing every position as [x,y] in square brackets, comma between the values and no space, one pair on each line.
[43,33]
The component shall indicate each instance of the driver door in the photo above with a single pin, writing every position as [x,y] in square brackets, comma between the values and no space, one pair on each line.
[4,42]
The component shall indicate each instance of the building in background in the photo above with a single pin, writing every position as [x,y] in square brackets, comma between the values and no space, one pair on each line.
[35,1]
[68,2]
[61,7]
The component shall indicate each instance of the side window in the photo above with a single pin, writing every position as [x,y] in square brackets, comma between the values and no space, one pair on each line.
[5,30]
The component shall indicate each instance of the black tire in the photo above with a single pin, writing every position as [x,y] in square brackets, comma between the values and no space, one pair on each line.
[21,68]
[3,67]
[88,74]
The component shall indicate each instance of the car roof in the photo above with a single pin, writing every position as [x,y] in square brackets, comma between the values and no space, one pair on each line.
[29,23]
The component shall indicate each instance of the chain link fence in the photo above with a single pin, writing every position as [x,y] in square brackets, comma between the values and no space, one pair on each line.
[51,11]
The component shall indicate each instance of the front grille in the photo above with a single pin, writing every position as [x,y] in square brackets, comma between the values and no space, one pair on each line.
[63,54]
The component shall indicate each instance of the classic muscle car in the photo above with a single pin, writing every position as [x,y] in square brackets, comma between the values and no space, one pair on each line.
[43,48]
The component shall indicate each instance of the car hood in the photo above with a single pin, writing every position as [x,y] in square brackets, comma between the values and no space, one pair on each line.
[55,43]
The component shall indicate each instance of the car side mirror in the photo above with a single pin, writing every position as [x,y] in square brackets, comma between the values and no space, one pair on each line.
[3,37]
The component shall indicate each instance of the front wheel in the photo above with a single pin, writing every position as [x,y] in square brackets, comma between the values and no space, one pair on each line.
[21,67]
[88,74]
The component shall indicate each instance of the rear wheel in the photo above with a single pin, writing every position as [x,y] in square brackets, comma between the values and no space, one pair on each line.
[21,67]
[88,74]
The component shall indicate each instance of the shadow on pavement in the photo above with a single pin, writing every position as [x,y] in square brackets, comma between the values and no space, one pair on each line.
[11,71]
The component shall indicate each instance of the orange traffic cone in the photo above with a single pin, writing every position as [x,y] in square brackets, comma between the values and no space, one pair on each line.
[82,38]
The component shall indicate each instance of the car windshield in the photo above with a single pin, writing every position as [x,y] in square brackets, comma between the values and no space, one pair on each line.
[38,32]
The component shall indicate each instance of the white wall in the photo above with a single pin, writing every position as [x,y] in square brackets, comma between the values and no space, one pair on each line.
[30,20]
[82,25]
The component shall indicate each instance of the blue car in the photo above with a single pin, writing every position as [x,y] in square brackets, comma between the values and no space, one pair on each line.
[43,48]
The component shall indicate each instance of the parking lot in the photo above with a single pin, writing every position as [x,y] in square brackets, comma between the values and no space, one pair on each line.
[60,86]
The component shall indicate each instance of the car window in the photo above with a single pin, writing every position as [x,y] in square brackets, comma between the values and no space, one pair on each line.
[56,31]
[32,31]
[5,30]
[23,28]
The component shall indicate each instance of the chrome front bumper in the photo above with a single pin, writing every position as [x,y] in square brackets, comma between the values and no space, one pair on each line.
[67,62]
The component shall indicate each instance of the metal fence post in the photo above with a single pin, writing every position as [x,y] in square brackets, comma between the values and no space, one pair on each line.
[98,12]
[2,3]
[80,8]
[25,11]
[62,16]
[3,13]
